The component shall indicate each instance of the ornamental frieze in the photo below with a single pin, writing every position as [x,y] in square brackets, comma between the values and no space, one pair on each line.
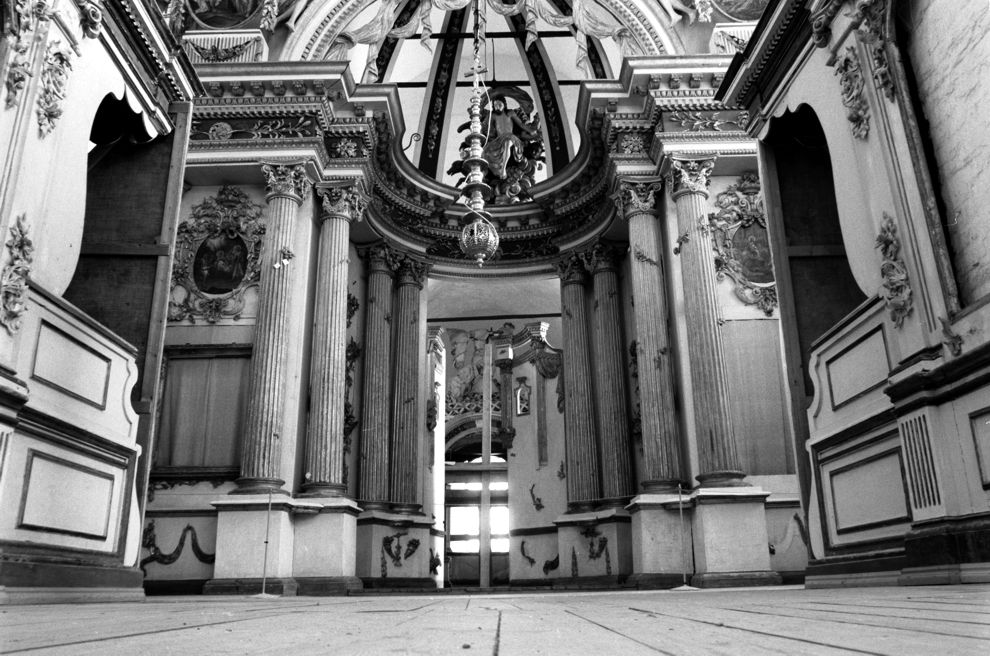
[706,121]
[244,128]
[218,250]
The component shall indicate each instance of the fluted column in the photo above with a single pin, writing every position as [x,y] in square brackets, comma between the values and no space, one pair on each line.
[287,184]
[610,379]
[324,464]
[376,409]
[661,434]
[405,398]
[688,181]
[579,419]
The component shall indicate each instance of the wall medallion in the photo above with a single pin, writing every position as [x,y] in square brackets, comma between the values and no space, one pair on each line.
[742,247]
[217,257]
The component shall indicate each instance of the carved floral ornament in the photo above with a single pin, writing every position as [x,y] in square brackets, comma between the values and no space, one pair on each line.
[217,258]
[54,79]
[742,248]
[851,82]
[690,176]
[896,287]
[637,197]
[346,202]
[286,181]
[13,280]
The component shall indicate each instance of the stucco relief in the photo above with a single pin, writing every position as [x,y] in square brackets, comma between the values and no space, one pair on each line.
[217,258]
[851,81]
[896,287]
[54,79]
[742,247]
[13,280]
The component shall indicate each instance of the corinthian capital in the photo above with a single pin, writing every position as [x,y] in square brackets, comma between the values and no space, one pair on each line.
[285,181]
[603,256]
[412,272]
[634,197]
[689,176]
[344,202]
[571,270]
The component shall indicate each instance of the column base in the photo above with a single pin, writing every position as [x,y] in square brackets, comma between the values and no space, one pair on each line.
[594,545]
[735,579]
[647,581]
[730,478]
[661,538]
[399,583]
[281,586]
[327,586]
[321,490]
[260,486]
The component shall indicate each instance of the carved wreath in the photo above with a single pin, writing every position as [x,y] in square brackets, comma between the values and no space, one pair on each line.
[742,248]
[217,258]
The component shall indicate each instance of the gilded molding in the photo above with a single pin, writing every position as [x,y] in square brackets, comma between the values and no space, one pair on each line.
[689,176]
[851,81]
[633,198]
[13,280]
[346,203]
[896,287]
[54,78]
[285,181]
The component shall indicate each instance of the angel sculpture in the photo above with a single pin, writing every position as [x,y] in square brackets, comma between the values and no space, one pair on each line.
[513,145]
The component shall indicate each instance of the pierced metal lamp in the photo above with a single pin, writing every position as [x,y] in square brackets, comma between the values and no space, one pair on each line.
[479,238]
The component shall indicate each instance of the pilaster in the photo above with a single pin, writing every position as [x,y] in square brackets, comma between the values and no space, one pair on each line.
[286,186]
[610,393]
[324,463]
[376,416]
[579,419]
[405,464]
[636,200]
[688,181]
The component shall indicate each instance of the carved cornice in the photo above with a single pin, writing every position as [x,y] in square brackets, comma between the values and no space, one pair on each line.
[285,181]
[571,270]
[689,176]
[633,198]
[345,202]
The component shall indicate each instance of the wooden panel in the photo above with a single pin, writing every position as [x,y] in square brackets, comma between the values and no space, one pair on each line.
[859,368]
[61,496]
[979,424]
[878,479]
[70,366]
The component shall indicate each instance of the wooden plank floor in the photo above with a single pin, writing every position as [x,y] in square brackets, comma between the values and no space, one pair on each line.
[785,620]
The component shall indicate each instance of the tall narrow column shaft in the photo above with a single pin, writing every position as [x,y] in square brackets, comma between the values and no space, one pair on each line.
[610,379]
[405,399]
[719,463]
[266,396]
[579,418]
[376,398]
[324,464]
[661,433]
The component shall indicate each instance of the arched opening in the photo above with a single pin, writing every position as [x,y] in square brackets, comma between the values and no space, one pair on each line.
[816,284]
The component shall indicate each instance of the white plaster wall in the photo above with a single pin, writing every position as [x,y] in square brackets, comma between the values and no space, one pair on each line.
[952,76]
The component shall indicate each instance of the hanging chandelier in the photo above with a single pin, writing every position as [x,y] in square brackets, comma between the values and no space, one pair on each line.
[479,238]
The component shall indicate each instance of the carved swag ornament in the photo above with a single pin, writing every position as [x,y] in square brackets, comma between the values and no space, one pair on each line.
[217,258]
[742,249]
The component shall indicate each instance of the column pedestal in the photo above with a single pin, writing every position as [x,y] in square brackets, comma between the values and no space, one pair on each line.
[325,547]
[661,540]
[393,550]
[731,547]
[243,522]
[595,548]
